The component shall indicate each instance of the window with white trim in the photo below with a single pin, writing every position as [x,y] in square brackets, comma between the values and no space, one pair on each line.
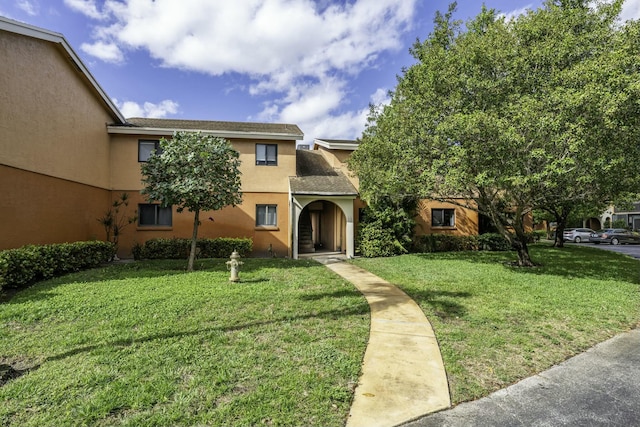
[266,215]
[151,214]
[146,147]
[267,154]
[443,217]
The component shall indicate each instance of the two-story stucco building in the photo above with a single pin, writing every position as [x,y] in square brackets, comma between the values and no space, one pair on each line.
[67,152]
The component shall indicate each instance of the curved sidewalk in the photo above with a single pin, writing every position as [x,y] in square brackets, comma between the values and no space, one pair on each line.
[403,376]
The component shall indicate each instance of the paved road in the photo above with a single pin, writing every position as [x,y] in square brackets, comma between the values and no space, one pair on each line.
[631,250]
[600,387]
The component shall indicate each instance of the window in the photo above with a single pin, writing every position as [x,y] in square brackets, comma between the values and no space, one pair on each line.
[154,215]
[266,215]
[146,148]
[443,217]
[267,154]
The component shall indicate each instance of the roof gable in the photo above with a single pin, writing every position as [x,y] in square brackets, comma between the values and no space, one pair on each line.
[58,39]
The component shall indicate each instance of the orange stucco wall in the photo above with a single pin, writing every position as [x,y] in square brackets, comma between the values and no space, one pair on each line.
[238,221]
[466,220]
[51,122]
[39,209]
[260,185]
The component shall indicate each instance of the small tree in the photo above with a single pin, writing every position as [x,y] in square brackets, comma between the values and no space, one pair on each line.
[114,221]
[193,171]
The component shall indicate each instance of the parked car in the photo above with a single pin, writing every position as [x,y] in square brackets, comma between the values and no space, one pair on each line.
[577,235]
[614,236]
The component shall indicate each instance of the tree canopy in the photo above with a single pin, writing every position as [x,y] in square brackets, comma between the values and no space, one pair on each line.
[508,116]
[195,172]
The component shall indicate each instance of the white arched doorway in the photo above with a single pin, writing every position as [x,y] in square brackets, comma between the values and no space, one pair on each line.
[322,223]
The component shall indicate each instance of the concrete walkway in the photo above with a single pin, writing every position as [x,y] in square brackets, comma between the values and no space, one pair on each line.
[600,387]
[403,377]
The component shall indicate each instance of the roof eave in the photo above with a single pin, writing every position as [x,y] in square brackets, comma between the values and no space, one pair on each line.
[133,130]
[336,146]
[323,193]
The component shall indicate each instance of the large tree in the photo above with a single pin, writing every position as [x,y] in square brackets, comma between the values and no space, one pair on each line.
[193,171]
[510,115]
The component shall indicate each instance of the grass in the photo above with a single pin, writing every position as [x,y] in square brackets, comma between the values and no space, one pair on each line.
[146,344]
[497,324]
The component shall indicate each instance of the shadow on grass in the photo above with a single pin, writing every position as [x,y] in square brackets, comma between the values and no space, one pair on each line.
[337,294]
[9,373]
[152,269]
[444,304]
[569,261]
[361,311]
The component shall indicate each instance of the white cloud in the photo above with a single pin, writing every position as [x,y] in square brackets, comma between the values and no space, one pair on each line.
[106,51]
[87,8]
[516,12]
[148,109]
[380,97]
[630,10]
[31,8]
[301,52]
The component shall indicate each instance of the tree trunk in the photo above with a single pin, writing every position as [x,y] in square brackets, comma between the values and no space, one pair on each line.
[194,239]
[524,259]
[561,220]
[559,241]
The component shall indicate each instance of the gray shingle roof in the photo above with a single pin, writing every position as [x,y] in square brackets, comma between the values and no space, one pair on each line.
[315,176]
[210,125]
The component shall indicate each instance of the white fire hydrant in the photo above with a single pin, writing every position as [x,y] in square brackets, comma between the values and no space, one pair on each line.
[234,266]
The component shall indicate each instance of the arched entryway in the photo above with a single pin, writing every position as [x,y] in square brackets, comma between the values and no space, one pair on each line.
[322,225]
[321,228]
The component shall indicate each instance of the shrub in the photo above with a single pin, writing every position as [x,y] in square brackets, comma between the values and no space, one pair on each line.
[452,243]
[374,240]
[176,248]
[493,242]
[28,264]
[445,243]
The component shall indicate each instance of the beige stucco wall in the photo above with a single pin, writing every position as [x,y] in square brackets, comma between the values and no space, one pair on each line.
[126,168]
[338,159]
[51,121]
[466,220]
[38,209]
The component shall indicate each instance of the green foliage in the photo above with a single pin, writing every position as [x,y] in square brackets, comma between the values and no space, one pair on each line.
[535,112]
[387,227]
[175,248]
[375,241]
[195,172]
[114,221]
[28,264]
[451,243]
[620,223]
[493,242]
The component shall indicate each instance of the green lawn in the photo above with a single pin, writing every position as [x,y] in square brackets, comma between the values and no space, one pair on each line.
[497,324]
[146,344]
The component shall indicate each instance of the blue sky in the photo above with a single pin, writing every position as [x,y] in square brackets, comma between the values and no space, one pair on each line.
[318,64]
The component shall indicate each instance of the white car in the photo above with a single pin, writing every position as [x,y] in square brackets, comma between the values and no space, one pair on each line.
[577,235]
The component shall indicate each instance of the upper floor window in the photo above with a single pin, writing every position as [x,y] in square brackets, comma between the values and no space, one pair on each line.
[267,215]
[154,215]
[146,148]
[267,154]
[443,217]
